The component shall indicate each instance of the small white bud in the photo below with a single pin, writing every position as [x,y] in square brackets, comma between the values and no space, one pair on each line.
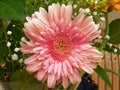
[95,40]
[109,44]
[75,6]
[8,60]
[9,22]
[9,32]
[23,39]
[107,37]
[13,25]
[99,36]
[87,10]
[8,44]
[21,60]
[95,13]
[14,57]
[115,50]
[81,10]
[96,1]
[75,13]
[102,19]
[16,49]
[21,70]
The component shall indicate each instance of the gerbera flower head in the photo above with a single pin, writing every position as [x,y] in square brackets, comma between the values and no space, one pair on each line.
[60,46]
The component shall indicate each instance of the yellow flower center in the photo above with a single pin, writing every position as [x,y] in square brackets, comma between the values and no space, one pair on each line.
[61,45]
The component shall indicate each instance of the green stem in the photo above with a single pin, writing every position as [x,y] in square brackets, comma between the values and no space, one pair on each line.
[5,25]
[106,33]
[13,67]
[4,28]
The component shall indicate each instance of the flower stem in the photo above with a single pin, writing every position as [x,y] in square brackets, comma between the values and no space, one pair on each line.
[5,25]
[106,33]
[4,28]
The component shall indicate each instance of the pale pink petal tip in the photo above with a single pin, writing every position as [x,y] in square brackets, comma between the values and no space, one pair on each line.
[60,46]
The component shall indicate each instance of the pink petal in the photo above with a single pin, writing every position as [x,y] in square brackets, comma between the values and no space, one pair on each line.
[40,75]
[71,79]
[51,68]
[55,68]
[40,25]
[34,67]
[78,19]
[51,81]
[59,69]
[31,59]
[30,35]
[31,28]
[65,82]
[92,65]
[69,66]
[68,14]
[62,11]
[42,16]
[65,69]
[87,69]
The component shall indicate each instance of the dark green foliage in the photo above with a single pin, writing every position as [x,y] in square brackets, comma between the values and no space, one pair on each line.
[102,73]
[12,9]
[115,31]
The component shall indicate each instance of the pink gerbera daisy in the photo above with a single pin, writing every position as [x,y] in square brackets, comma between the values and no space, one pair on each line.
[60,47]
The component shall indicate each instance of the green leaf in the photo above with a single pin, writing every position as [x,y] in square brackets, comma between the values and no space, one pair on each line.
[109,70]
[102,73]
[21,80]
[115,31]
[12,9]
[2,48]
